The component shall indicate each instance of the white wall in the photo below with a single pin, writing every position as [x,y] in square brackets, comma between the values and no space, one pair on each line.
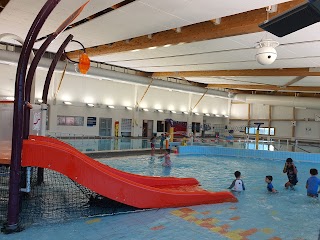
[81,90]
[281,119]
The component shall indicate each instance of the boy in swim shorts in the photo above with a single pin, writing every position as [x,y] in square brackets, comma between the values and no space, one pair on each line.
[292,172]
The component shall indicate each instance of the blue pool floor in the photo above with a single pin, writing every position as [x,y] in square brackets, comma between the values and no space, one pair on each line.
[195,222]
[152,224]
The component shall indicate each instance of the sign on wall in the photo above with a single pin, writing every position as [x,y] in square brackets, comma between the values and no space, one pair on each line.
[91,121]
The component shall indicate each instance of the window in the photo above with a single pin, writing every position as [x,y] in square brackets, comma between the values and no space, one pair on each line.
[160,126]
[70,121]
[126,125]
[262,131]
[195,127]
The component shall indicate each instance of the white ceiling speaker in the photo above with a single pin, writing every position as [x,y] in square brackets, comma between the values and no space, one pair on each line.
[266,53]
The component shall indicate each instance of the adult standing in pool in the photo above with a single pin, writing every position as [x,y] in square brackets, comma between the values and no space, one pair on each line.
[292,172]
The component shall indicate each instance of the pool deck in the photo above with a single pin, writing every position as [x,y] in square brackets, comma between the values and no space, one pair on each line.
[120,153]
[195,222]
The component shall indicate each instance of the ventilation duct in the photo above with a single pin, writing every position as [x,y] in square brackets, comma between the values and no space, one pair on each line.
[7,57]
[299,102]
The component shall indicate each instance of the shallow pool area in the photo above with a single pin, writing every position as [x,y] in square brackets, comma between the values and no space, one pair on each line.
[289,214]
[93,145]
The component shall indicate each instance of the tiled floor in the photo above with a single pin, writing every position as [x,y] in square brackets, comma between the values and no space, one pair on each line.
[196,222]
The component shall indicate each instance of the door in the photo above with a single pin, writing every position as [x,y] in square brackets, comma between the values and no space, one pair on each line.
[105,127]
[150,128]
[147,128]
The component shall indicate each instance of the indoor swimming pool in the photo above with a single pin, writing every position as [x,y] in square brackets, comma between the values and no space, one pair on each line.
[92,145]
[289,214]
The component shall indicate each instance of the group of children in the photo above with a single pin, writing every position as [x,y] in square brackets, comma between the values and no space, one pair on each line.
[153,141]
[166,156]
[290,169]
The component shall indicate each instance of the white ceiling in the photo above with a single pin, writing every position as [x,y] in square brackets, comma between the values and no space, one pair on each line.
[297,50]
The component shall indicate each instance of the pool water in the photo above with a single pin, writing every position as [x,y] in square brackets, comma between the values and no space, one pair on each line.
[89,145]
[289,214]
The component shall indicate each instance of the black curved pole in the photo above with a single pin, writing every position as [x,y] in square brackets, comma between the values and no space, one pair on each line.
[12,224]
[52,67]
[46,88]
[36,60]
[29,80]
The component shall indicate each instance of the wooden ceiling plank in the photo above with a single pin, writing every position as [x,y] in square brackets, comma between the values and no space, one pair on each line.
[234,25]
[266,87]
[3,4]
[300,72]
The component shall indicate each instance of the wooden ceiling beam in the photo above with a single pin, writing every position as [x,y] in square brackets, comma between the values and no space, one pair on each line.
[290,94]
[299,72]
[265,87]
[234,25]
[3,3]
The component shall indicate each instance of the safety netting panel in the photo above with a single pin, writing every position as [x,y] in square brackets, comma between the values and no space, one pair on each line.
[4,193]
[60,199]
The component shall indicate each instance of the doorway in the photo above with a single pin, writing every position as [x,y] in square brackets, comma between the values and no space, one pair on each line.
[105,127]
[147,128]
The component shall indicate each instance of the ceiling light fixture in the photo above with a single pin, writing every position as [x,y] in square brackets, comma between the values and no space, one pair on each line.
[160,110]
[207,114]
[90,104]
[172,111]
[135,50]
[185,112]
[129,108]
[152,47]
[145,109]
[110,106]
[67,103]
[9,98]
[167,45]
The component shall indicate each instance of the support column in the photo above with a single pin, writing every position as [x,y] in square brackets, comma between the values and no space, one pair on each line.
[293,130]
[189,117]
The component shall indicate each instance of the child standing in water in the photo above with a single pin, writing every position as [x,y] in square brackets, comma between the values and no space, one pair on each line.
[237,184]
[167,160]
[162,141]
[313,183]
[292,172]
[153,143]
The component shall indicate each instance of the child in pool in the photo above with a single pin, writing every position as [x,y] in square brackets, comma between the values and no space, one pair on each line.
[270,186]
[153,143]
[292,172]
[313,183]
[167,160]
[237,185]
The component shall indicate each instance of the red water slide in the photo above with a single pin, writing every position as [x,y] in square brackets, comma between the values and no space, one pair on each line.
[131,189]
